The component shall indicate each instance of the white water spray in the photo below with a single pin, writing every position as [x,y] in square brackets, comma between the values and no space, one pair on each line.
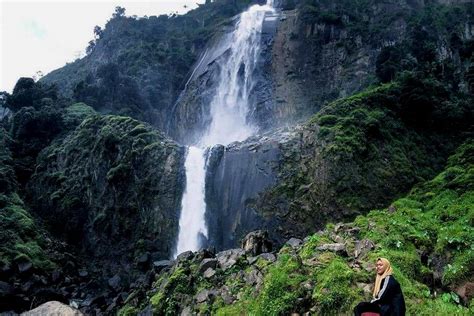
[229,111]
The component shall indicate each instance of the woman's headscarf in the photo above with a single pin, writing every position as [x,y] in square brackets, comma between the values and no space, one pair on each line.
[378,280]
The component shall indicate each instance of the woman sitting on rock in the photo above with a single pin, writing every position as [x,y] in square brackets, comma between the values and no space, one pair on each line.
[388,297]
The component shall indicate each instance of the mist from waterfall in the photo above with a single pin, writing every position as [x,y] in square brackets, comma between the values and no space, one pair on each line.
[229,110]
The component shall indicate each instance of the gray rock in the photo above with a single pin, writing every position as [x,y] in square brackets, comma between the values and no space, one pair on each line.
[205,295]
[24,266]
[143,259]
[162,264]
[294,243]
[268,257]
[202,296]
[338,248]
[53,308]
[254,277]
[209,273]
[187,255]
[256,242]
[207,263]
[228,258]
[362,247]
[83,273]
[187,311]
[252,260]
[226,295]
[114,282]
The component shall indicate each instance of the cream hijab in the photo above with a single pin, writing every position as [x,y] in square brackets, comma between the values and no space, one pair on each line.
[378,280]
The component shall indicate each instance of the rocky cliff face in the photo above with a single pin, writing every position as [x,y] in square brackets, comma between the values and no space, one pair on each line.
[236,175]
[112,188]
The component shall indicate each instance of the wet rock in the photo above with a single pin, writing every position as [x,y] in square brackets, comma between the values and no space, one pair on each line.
[53,308]
[362,247]
[83,273]
[256,242]
[294,243]
[207,263]
[228,258]
[338,248]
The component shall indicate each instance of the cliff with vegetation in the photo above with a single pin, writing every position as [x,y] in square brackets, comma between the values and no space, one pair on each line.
[426,234]
[365,112]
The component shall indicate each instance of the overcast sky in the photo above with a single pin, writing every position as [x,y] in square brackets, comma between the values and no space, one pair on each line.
[38,35]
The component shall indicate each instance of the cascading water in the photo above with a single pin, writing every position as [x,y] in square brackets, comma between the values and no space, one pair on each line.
[229,109]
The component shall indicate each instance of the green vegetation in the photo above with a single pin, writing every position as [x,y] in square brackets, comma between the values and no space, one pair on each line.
[431,224]
[361,152]
[138,66]
[21,239]
[112,181]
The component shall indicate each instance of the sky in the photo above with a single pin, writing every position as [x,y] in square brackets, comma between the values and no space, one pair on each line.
[38,35]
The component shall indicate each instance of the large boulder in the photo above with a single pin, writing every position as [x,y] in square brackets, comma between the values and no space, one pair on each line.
[53,308]
[256,242]
[228,258]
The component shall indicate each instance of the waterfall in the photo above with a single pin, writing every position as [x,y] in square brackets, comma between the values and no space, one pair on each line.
[229,110]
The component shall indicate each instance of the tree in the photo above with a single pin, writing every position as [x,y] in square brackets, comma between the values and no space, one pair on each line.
[119,12]
[98,32]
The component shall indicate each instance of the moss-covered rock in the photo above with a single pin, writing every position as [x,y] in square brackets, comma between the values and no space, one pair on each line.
[363,151]
[112,186]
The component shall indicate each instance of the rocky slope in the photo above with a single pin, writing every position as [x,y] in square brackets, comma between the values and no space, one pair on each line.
[426,235]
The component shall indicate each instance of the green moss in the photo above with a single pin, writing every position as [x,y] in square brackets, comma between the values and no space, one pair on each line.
[280,287]
[21,238]
[127,310]
[334,291]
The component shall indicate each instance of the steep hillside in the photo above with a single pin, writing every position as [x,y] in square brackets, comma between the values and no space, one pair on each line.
[138,66]
[427,235]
